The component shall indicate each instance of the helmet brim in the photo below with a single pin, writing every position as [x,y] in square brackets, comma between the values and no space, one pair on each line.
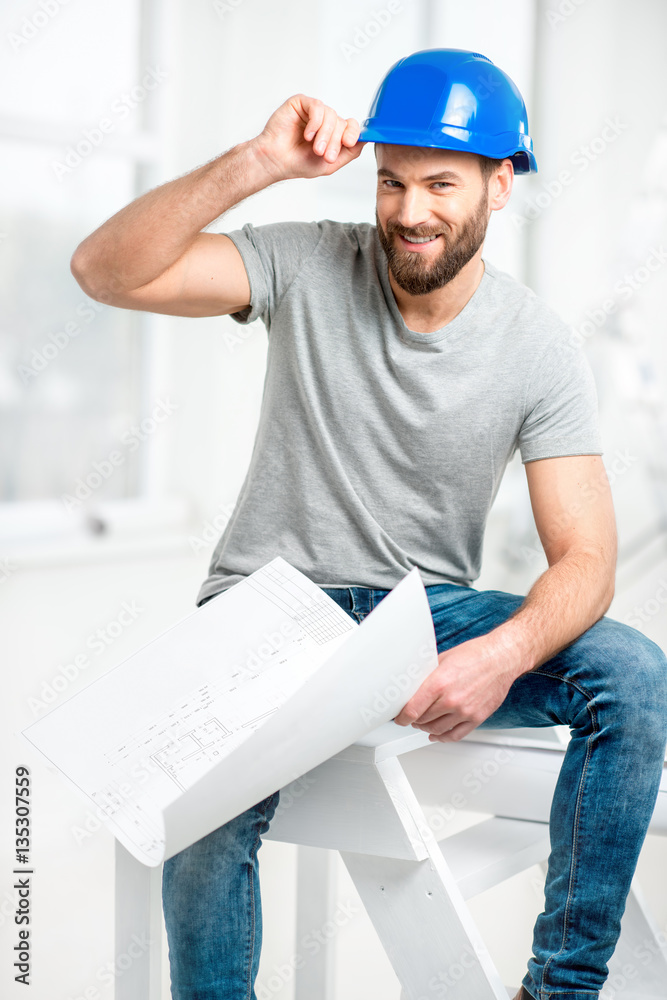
[507,145]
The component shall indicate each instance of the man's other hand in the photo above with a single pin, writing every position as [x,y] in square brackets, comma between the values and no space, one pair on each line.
[470,682]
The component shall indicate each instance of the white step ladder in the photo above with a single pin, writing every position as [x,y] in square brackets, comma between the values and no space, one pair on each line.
[370,802]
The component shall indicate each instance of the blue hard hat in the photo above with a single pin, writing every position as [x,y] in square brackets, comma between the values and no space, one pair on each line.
[451,99]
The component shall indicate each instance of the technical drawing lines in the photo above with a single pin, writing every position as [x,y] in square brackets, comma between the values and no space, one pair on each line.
[258,718]
[277,587]
[322,622]
[320,619]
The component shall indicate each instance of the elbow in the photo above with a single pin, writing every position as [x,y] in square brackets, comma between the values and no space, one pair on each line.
[91,276]
[608,597]
[82,272]
[611,590]
[610,566]
[608,586]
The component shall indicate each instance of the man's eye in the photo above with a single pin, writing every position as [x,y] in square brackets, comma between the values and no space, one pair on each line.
[444,184]
[393,183]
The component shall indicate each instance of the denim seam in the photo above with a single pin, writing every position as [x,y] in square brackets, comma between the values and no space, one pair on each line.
[580,795]
[566,993]
[556,677]
[544,995]
[251,867]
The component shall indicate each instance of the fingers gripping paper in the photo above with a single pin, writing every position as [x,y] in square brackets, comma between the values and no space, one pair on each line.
[250,691]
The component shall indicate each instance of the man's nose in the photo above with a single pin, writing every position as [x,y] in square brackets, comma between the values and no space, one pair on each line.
[414,210]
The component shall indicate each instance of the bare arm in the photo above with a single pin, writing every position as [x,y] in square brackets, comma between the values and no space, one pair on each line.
[574,515]
[153,255]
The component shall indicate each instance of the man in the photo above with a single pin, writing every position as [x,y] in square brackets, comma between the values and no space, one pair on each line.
[403,372]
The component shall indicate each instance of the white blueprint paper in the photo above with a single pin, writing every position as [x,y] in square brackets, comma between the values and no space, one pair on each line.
[258,686]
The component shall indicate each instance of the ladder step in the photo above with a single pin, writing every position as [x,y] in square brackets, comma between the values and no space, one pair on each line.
[491,851]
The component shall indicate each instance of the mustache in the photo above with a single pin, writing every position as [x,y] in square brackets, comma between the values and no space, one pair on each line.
[418,233]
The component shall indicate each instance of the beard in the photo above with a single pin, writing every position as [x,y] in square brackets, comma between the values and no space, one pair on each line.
[416,275]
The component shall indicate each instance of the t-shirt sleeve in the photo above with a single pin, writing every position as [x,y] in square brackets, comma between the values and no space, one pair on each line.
[273,256]
[561,413]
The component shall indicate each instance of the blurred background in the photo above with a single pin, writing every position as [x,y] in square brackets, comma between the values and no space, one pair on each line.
[99,103]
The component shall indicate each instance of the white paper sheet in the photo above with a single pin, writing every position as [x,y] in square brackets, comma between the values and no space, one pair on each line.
[250,691]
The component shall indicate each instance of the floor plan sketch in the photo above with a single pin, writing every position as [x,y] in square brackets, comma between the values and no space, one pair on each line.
[192,751]
[229,703]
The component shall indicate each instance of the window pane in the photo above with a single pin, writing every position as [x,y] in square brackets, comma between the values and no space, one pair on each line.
[52,52]
[69,367]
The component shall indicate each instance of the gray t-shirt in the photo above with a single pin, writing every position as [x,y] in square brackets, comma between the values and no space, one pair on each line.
[379,449]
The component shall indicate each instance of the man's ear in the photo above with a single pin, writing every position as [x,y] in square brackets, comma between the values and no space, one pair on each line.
[500,185]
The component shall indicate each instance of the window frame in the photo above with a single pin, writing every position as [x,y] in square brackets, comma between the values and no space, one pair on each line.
[30,529]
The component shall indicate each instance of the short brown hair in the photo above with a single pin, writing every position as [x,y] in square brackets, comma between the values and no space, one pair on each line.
[488,166]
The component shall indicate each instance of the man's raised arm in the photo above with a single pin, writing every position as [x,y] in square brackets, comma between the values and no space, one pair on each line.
[153,255]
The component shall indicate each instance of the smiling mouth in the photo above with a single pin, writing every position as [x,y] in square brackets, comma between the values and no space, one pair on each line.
[417,244]
[420,239]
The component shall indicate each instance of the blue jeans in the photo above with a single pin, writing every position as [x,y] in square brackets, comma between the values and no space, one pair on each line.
[609,687]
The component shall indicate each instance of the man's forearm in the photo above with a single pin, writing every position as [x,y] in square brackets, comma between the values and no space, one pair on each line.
[146,237]
[566,600]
